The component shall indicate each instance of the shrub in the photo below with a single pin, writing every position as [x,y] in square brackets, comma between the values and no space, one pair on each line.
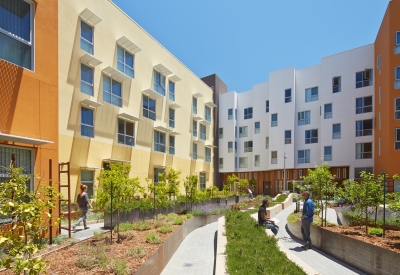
[59,239]
[86,262]
[125,226]
[159,223]
[374,230]
[293,218]
[178,221]
[136,252]
[142,225]
[119,267]
[160,217]
[166,228]
[171,217]
[90,256]
[127,235]
[153,238]
[189,216]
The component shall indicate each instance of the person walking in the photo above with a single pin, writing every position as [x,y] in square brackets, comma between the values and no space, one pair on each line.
[264,220]
[306,219]
[84,205]
[250,194]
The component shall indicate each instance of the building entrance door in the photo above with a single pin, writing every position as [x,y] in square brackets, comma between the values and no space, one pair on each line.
[267,188]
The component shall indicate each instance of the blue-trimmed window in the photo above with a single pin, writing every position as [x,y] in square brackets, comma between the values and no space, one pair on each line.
[159,82]
[87,122]
[364,78]
[172,145]
[86,37]
[311,136]
[336,131]
[208,113]
[159,141]
[195,128]
[86,79]
[303,156]
[194,105]
[230,114]
[288,137]
[203,132]
[208,154]
[303,118]
[364,105]
[171,118]
[267,106]
[311,94]
[328,111]
[126,132]
[149,107]
[336,84]
[274,120]
[256,127]
[328,153]
[112,91]
[288,95]
[171,89]
[248,113]
[125,61]
[194,153]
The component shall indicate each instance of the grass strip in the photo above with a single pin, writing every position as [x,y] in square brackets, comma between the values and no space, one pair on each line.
[251,251]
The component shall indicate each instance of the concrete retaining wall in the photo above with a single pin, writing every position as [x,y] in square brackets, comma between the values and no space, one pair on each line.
[366,257]
[288,202]
[272,211]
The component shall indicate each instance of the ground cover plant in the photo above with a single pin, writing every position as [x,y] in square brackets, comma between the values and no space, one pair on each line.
[251,251]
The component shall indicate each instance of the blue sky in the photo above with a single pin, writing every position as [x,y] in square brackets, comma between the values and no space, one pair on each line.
[243,40]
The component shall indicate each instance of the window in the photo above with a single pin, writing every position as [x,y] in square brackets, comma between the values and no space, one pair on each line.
[126,132]
[202,181]
[235,147]
[364,150]
[397,139]
[300,173]
[202,132]
[312,94]
[311,136]
[172,145]
[235,114]
[303,118]
[344,173]
[397,43]
[328,153]
[336,84]
[221,163]
[364,78]
[338,173]
[274,157]
[336,131]
[16,33]
[257,161]
[288,137]
[364,128]
[125,61]
[397,108]
[274,120]
[256,127]
[208,154]
[243,131]
[87,178]
[207,112]
[171,89]
[195,151]
[87,122]
[172,118]
[288,95]
[357,171]
[378,61]
[157,173]
[159,82]
[194,103]
[220,132]
[159,141]
[230,114]
[267,106]
[328,111]
[294,174]
[235,162]
[303,156]
[112,91]
[149,107]
[230,146]
[243,162]
[86,79]
[364,105]
[235,131]
[248,146]
[86,37]
[397,77]
[266,142]
[195,128]
[248,113]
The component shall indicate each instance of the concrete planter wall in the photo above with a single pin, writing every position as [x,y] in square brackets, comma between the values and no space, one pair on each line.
[156,263]
[272,211]
[288,202]
[366,257]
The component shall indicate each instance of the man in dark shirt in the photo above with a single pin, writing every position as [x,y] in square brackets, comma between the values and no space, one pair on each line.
[306,219]
[264,220]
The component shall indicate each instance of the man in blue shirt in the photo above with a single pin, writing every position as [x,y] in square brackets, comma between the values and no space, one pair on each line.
[307,219]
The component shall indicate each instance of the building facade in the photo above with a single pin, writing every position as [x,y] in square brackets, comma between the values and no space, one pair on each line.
[125,98]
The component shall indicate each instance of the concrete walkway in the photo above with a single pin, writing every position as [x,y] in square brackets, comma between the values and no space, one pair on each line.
[82,234]
[195,255]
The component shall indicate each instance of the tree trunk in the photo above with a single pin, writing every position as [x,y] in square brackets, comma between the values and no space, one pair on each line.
[118,239]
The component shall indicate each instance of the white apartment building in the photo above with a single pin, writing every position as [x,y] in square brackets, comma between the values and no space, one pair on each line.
[315,114]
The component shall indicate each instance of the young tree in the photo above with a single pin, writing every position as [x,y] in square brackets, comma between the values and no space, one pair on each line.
[116,189]
[191,189]
[243,184]
[172,177]
[30,214]
[394,198]
[231,180]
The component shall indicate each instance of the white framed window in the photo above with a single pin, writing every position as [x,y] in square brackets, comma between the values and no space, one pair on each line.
[208,154]
[16,32]
[300,173]
[288,95]
[364,150]
[171,119]
[257,161]
[112,91]
[243,162]
[202,178]
[397,139]
[303,156]
[195,129]
[87,178]
[159,141]
[336,84]
[171,90]
[267,106]
[288,137]
[397,108]
[397,42]
[256,127]
[87,122]
[86,79]
[125,61]
[248,113]
[266,142]
[364,128]
[230,114]
[358,170]
[303,118]
[87,37]
[274,120]
[248,146]
[328,154]
[194,153]
[149,107]
[230,146]
[126,132]
[287,174]
[221,163]
[220,132]
[338,173]
[159,82]
[364,78]
[336,131]
[194,105]
[172,145]
[311,136]
[294,174]
[378,61]
[328,111]
[397,77]
[207,112]
[364,105]
[243,131]
[344,173]
[311,94]
[278,175]
[203,133]
[274,157]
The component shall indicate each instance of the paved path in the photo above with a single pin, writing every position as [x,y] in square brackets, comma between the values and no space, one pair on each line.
[195,255]
[82,234]
[316,259]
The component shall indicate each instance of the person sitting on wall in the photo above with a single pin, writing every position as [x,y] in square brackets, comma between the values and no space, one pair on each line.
[264,220]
